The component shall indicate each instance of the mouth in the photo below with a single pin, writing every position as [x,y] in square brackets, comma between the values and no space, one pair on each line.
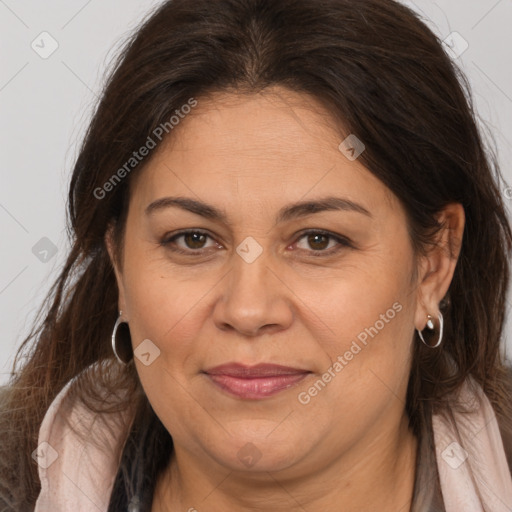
[255,382]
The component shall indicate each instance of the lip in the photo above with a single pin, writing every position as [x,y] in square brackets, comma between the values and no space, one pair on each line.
[258,370]
[255,382]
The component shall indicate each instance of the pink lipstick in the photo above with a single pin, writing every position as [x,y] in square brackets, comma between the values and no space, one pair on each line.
[255,382]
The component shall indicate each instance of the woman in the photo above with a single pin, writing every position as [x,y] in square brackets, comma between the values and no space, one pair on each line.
[286,289]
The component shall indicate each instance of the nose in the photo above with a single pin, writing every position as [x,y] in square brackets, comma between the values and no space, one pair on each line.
[253,299]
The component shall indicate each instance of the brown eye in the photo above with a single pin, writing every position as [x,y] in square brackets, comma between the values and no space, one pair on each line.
[187,242]
[194,240]
[318,241]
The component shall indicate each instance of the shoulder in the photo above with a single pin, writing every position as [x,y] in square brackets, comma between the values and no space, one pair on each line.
[471,452]
[78,450]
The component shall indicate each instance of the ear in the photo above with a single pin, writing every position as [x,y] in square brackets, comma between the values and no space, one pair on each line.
[111,249]
[438,265]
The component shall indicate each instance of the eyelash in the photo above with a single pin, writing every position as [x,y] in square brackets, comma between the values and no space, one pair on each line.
[343,242]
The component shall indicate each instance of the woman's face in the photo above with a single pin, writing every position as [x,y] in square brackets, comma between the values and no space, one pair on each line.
[254,283]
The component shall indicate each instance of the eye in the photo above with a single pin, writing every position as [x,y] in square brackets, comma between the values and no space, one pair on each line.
[323,243]
[318,243]
[193,241]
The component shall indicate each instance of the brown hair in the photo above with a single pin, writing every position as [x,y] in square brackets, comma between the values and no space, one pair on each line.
[384,76]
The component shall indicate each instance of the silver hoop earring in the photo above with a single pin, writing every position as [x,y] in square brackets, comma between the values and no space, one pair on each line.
[430,326]
[123,352]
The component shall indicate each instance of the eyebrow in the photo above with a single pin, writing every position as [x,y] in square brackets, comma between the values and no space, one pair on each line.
[287,213]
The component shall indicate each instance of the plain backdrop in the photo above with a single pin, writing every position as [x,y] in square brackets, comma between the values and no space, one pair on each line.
[46,101]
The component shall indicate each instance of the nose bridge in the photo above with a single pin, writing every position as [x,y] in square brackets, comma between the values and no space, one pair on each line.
[249,277]
[252,296]
[249,267]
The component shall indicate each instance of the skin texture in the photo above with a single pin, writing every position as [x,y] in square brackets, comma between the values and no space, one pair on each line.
[349,447]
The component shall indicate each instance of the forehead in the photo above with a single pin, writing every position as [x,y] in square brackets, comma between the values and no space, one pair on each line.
[273,122]
[277,144]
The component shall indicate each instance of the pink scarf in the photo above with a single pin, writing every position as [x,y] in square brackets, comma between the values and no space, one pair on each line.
[80,476]
[471,458]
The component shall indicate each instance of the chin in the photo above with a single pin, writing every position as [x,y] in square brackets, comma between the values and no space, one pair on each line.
[258,454]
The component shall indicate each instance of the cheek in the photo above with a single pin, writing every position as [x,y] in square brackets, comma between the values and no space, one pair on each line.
[368,302]
[162,308]
[367,375]
[372,343]
[159,297]
[370,315]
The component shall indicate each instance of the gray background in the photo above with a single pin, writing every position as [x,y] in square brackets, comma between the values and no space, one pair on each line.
[45,104]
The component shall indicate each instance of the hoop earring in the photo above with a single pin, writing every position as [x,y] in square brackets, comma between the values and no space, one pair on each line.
[123,353]
[430,325]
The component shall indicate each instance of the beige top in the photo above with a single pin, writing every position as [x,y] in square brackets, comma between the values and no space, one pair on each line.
[77,472]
